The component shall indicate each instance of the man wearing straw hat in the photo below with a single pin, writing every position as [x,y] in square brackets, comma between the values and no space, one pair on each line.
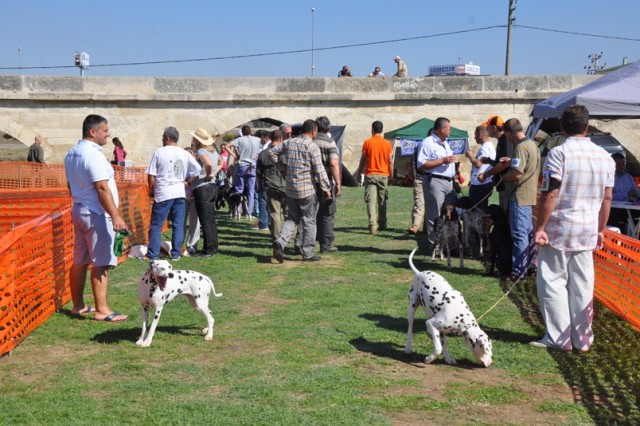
[169,168]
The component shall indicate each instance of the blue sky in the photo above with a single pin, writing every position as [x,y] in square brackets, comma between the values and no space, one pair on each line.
[118,31]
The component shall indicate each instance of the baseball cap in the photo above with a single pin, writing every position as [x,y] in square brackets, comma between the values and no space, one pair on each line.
[494,120]
[396,57]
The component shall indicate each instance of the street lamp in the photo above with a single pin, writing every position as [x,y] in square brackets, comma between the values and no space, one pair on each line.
[313,13]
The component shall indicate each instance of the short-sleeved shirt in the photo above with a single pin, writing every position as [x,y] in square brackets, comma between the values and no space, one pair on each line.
[85,165]
[486,150]
[433,148]
[328,151]
[584,170]
[402,69]
[213,156]
[622,185]
[248,149]
[304,167]
[171,166]
[526,160]
[378,151]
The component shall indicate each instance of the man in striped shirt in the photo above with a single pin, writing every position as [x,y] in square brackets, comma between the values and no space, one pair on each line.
[304,171]
[574,206]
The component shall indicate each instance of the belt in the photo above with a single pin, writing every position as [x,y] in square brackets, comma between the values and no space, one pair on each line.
[448,179]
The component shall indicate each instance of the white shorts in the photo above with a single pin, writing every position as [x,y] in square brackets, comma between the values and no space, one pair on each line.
[94,238]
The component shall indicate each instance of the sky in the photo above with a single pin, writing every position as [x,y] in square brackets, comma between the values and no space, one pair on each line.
[46,33]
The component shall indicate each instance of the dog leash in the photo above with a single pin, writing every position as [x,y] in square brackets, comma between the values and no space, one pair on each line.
[475,206]
[507,293]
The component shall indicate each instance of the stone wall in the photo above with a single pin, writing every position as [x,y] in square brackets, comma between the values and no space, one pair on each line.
[139,108]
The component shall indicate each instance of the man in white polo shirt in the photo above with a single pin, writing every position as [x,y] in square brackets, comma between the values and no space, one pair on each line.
[95,218]
[170,167]
[437,160]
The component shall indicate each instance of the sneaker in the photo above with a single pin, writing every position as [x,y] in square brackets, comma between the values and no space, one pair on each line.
[331,249]
[277,252]
[175,258]
[544,345]
[202,254]
[311,259]
[372,230]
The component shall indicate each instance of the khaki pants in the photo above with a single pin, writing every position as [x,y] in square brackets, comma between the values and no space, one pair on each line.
[375,195]
[417,214]
[277,208]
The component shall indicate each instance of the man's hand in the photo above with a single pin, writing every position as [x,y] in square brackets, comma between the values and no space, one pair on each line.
[327,194]
[541,238]
[338,190]
[482,177]
[485,160]
[449,159]
[600,242]
[505,161]
[469,154]
[118,223]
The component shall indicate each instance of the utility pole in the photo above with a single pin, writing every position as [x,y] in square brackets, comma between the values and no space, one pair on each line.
[511,19]
[595,66]
[313,14]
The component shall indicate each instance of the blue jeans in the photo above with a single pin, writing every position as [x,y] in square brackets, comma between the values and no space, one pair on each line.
[522,232]
[159,214]
[246,183]
[263,213]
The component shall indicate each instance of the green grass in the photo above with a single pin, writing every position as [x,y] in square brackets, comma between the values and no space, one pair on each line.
[316,343]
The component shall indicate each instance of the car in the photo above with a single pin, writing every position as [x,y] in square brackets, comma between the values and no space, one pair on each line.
[605,140]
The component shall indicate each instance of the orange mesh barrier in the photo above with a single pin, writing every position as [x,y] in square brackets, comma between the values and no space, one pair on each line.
[617,270]
[36,242]
[21,174]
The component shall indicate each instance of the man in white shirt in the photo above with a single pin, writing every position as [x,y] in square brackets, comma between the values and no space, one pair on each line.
[377,74]
[436,159]
[95,218]
[170,167]
[478,190]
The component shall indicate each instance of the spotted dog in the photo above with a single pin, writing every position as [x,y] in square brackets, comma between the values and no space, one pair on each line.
[447,313]
[447,230]
[472,221]
[161,284]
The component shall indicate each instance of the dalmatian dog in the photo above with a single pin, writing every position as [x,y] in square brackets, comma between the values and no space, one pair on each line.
[447,235]
[473,220]
[447,313]
[161,284]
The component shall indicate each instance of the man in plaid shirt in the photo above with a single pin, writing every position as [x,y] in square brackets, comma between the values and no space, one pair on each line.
[304,171]
[574,206]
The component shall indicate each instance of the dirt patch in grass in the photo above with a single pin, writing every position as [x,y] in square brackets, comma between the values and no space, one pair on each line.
[460,391]
[261,304]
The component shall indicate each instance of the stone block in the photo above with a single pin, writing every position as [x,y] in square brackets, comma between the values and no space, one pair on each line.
[300,85]
[10,83]
[47,84]
[180,85]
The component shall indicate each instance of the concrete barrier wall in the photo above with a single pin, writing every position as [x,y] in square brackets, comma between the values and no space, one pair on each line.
[139,108]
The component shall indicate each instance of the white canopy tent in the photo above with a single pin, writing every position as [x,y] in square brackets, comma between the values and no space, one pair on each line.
[614,95]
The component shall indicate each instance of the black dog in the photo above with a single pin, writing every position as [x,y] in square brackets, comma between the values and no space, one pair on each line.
[500,241]
[447,235]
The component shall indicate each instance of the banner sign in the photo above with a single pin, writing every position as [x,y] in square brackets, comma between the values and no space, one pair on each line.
[458,146]
[408,146]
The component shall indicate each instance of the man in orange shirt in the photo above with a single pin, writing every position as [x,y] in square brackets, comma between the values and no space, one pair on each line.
[376,162]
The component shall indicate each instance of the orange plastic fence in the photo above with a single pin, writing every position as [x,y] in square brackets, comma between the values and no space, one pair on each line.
[617,269]
[21,174]
[36,241]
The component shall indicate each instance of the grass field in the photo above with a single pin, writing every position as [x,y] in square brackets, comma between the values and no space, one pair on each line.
[316,343]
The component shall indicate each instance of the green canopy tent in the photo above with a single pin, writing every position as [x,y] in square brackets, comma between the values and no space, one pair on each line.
[406,139]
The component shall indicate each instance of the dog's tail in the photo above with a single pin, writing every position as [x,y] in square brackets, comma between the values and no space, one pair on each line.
[413,268]
[213,289]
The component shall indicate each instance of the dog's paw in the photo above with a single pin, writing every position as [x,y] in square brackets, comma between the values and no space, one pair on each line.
[450,361]
[208,338]
[143,343]
[430,358]
[139,342]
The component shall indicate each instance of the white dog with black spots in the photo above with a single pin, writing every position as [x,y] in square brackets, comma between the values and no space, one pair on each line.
[161,284]
[447,313]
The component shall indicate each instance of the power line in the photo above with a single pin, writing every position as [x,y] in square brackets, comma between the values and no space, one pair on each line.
[577,33]
[255,55]
[344,46]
